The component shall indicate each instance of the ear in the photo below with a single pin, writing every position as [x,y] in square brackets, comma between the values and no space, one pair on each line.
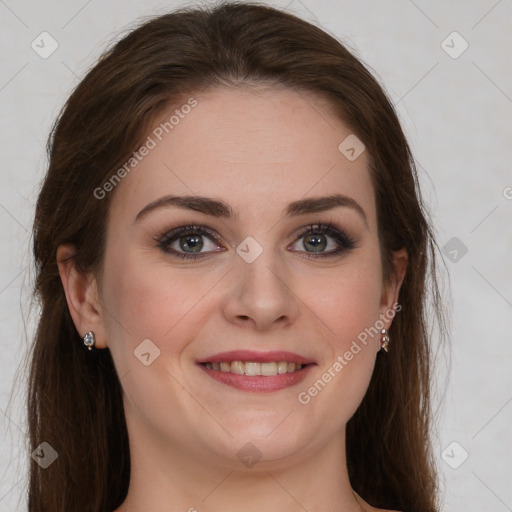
[81,291]
[391,289]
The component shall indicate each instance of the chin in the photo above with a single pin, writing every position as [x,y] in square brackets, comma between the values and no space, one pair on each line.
[268,445]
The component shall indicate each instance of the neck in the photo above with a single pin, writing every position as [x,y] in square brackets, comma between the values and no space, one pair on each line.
[167,478]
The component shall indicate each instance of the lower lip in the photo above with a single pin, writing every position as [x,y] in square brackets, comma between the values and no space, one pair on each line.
[259,383]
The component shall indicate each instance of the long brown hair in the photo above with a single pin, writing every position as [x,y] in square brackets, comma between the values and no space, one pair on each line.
[75,397]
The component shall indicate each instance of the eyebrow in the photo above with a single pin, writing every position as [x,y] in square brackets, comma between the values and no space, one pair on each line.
[219,208]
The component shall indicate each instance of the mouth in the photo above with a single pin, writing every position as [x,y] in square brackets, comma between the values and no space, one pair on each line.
[253,368]
[257,371]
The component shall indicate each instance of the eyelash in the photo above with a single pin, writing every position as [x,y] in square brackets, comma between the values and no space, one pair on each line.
[346,243]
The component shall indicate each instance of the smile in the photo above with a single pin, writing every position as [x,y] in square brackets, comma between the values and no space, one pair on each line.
[254,368]
[255,371]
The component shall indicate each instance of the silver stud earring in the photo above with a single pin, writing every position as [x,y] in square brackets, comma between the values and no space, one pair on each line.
[384,340]
[89,340]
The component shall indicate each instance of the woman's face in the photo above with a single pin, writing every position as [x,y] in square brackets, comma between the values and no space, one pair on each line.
[256,169]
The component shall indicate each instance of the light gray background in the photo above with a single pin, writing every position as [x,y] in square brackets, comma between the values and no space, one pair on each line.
[457,115]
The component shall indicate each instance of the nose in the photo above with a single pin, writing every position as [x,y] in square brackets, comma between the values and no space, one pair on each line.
[261,294]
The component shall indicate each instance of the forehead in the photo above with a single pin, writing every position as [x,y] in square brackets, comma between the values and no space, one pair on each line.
[256,149]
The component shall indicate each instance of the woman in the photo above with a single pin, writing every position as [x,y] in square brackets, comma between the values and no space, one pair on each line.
[232,259]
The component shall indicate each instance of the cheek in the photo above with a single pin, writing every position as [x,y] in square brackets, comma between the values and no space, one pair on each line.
[347,304]
[147,313]
[146,300]
[346,300]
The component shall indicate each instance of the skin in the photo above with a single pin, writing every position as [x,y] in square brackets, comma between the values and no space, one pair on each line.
[257,150]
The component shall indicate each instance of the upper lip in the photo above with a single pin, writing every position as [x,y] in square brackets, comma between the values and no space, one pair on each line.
[257,357]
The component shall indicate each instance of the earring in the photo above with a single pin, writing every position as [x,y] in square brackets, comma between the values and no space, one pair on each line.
[384,340]
[89,340]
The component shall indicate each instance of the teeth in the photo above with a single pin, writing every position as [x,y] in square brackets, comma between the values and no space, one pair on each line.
[282,367]
[268,369]
[251,368]
[237,367]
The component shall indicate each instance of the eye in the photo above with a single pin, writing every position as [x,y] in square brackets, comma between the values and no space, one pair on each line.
[190,240]
[316,237]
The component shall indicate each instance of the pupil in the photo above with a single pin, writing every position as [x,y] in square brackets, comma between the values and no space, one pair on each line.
[316,242]
[192,242]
